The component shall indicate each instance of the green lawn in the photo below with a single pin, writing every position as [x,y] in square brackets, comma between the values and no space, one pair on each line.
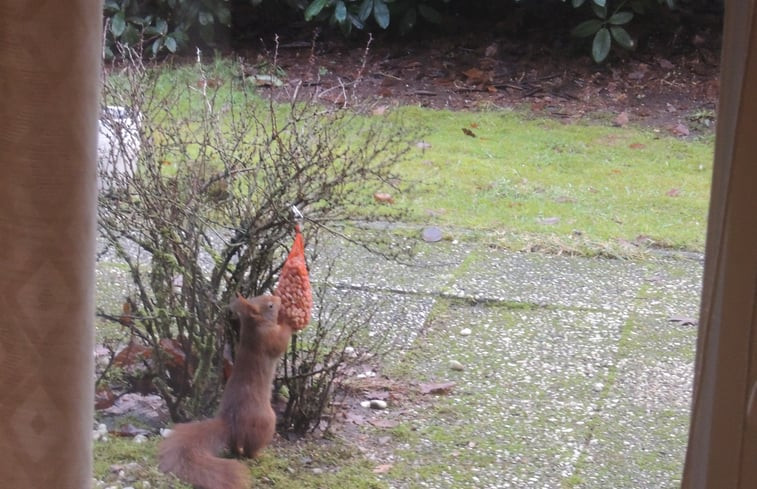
[542,177]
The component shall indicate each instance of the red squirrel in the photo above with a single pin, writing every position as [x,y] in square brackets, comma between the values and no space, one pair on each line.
[245,422]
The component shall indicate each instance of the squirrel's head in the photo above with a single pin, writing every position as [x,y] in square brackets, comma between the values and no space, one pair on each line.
[260,309]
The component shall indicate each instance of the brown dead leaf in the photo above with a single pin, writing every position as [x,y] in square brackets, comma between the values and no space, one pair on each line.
[380,109]
[436,387]
[637,146]
[468,132]
[622,119]
[673,192]
[104,398]
[384,423]
[475,75]
[173,349]
[383,198]
[131,354]
[382,469]
[127,318]
[680,130]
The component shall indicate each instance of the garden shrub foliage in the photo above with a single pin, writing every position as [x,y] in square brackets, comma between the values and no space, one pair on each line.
[199,209]
[174,25]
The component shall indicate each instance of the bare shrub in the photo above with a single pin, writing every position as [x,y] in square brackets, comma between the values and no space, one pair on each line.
[197,206]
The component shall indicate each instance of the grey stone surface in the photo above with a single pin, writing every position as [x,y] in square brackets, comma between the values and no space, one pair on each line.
[575,375]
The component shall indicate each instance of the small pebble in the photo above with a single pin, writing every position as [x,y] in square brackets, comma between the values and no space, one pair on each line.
[365,404]
[377,404]
[466,332]
[164,432]
[139,439]
[317,471]
[455,365]
[598,387]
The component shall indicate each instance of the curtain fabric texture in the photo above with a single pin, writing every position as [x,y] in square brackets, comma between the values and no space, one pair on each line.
[49,92]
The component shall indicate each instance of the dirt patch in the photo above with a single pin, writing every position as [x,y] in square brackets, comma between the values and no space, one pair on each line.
[671,82]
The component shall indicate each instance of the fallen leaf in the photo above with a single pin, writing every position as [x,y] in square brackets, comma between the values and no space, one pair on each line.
[680,129]
[127,318]
[209,82]
[468,132]
[622,119]
[474,125]
[174,350]
[104,398]
[132,354]
[380,109]
[475,75]
[637,146]
[436,387]
[382,469]
[491,50]
[384,423]
[665,64]
[673,192]
[383,198]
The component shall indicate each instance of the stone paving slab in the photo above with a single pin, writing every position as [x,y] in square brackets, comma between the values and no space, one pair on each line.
[551,280]
[642,427]
[429,271]
[574,375]
[531,386]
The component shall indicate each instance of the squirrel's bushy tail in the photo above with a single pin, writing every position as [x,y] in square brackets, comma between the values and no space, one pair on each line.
[191,453]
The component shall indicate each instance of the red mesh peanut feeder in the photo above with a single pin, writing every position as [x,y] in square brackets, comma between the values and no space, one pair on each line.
[294,285]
